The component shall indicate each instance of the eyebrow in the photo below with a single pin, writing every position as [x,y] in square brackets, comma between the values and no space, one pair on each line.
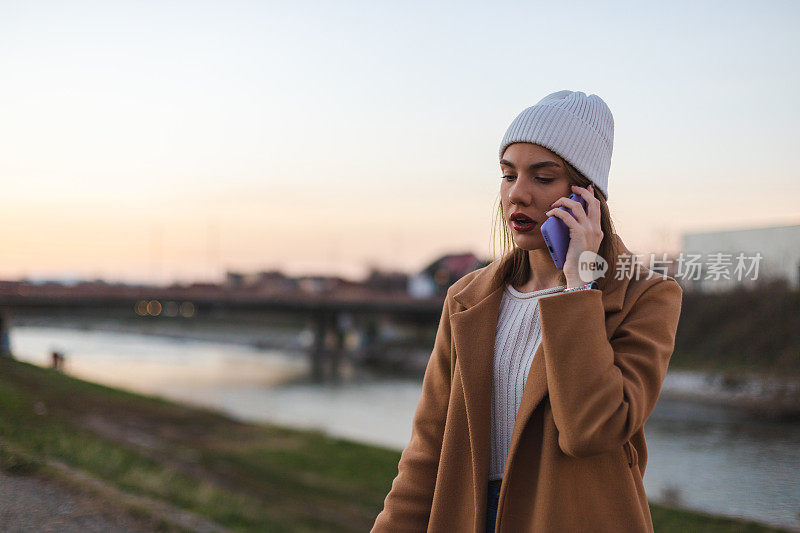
[532,167]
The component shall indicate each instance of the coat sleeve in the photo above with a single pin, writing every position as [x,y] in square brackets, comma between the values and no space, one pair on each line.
[602,391]
[407,507]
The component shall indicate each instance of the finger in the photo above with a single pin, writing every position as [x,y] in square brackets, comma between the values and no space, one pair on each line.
[586,193]
[577,209]
[568,219]
[593,205]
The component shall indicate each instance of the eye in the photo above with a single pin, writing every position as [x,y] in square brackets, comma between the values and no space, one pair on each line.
[510,177]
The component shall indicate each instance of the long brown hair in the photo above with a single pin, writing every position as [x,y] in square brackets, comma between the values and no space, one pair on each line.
[515,264]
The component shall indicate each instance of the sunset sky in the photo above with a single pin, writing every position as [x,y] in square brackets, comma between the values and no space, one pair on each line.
[164,141]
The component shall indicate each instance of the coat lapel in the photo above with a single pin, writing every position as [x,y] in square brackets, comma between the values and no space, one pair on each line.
[473,338]
[474,331]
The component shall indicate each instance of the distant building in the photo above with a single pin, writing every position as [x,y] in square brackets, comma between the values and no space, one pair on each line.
[322,284]
[386,281]
[422,286]
[202,286]
[437,277]
[720,260]
[264,282]
[235,280]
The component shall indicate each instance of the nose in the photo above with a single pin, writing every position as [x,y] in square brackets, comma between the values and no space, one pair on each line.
[518,193]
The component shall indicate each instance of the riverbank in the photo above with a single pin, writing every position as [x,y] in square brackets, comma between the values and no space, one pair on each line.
[175,467]
[763,395]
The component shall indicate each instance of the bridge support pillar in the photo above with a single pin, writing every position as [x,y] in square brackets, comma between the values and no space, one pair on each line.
[326,361]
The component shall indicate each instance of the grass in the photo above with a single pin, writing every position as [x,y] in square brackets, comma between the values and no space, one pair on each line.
[242,476]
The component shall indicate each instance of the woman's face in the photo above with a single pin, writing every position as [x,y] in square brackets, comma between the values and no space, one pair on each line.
[532,180]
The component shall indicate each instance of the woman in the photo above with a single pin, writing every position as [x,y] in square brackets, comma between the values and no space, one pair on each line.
[540,381]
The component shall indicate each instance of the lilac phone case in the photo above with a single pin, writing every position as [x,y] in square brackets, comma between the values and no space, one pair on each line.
[556,233]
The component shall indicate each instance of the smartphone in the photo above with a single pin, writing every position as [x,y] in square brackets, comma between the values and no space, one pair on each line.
[556,233]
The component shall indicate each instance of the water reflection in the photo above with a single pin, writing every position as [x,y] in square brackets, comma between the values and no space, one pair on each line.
[155,364]
[724,462]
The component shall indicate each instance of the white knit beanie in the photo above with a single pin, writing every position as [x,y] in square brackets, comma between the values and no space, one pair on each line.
[577,127]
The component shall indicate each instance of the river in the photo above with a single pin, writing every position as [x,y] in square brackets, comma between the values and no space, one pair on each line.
[708,458]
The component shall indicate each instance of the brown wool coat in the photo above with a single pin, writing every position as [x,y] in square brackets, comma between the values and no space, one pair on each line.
[578,452]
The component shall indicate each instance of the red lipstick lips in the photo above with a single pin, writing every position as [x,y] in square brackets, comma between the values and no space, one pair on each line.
[522,222]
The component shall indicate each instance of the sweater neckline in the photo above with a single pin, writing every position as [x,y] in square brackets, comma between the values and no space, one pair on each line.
[517,294]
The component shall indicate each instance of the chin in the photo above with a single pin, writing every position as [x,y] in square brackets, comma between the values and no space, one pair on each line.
[529,243]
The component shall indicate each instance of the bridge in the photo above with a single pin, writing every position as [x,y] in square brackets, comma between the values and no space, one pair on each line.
[321,310]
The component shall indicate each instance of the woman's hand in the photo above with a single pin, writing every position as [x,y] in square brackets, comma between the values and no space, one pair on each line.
[584,229]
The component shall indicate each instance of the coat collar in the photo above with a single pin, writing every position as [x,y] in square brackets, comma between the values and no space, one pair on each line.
[480,286]
[473,332]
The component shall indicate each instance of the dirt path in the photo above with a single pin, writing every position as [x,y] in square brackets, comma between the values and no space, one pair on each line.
[34,503]
[67,499]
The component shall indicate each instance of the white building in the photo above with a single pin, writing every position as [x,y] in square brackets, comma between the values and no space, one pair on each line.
[720,260]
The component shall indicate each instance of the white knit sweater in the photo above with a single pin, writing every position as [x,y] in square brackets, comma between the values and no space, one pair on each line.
[519,334]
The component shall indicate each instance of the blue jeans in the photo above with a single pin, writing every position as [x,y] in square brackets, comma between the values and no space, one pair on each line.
[492,496]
